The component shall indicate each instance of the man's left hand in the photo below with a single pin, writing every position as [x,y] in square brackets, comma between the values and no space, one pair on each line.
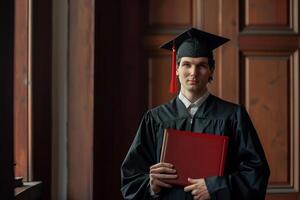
[198,189]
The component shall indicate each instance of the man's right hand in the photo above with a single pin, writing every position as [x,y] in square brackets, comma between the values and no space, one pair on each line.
[158,173]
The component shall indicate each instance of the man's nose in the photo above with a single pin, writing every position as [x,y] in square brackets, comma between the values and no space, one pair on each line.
[193,70]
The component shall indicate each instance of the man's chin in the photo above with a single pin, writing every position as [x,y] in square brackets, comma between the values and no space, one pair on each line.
[194,88]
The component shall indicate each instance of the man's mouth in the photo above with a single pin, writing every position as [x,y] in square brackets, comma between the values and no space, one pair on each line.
[192,82]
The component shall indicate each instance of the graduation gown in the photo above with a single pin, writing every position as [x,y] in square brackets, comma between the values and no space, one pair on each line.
[246,170]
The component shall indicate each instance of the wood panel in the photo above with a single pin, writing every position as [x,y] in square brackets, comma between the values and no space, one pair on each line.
[266,16]
[269,43]
[159,79]
[270,81]
[267,12]
[21,83]
[267,100]
[80,100]
[170,13]
[6,103]
[283,196]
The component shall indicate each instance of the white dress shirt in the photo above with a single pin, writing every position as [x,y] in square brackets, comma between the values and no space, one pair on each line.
[193,107]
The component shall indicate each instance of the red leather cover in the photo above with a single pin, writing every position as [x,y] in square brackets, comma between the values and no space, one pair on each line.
[194,155]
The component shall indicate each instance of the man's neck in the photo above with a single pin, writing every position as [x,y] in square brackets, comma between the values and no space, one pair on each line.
[193,96]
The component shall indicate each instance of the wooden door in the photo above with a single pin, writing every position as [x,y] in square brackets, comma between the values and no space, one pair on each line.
[259,68]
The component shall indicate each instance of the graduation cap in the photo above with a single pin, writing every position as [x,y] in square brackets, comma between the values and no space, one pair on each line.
[191,43]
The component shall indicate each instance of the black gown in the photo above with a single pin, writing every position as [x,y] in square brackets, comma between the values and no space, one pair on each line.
[246,170]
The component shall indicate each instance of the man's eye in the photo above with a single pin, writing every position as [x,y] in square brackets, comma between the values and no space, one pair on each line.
[203,65]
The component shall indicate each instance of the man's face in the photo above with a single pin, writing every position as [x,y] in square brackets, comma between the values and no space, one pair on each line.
[193,74]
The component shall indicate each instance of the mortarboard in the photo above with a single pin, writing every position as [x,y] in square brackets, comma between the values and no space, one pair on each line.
[191,43]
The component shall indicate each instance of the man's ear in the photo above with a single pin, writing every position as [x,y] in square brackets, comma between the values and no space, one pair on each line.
[177,66]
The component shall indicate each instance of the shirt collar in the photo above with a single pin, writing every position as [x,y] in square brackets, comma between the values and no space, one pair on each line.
[197,103]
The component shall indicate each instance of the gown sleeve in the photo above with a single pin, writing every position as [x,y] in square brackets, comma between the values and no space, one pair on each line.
[249,179]
[135,167]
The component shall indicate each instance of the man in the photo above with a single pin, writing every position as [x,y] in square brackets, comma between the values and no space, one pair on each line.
[195,109]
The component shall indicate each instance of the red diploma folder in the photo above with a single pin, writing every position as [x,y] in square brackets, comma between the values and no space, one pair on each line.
[194,155]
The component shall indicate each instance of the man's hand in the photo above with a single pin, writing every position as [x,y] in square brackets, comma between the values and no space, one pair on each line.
[198,189]
[158,173]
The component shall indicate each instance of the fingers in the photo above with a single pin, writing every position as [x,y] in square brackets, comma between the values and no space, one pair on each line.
[163,176]
[200,195]
[198,189]
[203,197]
[158,165]
[156,185]
[161,170]
[199,181]
[190,188]
[160,183]
[195,192]
[196,183]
